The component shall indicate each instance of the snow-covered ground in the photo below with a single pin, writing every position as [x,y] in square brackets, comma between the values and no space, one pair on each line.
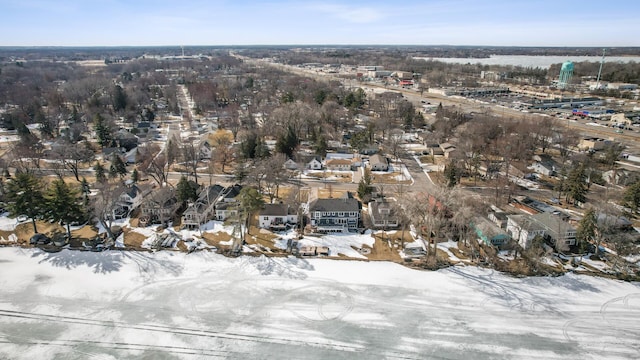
[167,305]
[337,243]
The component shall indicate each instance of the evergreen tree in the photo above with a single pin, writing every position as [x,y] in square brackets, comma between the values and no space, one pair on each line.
[86,189]
[118,167]
[100,172]
[119,98]
[135,176]
[186,190]
[576,185]
[451,174]
[364,186]
[288,97]
[440,112]
[320,146]
[632,197]
[287,142]
[588,229]
[25,197]
[261,150]
[248,146]
[63,204]
[251,201]
[103,132]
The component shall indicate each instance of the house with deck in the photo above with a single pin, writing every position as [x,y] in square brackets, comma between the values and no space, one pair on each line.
[203,209]
[277,217]
[335,215]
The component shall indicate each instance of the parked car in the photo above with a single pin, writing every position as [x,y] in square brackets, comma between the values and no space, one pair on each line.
[39,239]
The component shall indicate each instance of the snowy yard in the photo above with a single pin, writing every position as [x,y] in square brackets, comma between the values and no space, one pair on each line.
[168,305]
[338,243]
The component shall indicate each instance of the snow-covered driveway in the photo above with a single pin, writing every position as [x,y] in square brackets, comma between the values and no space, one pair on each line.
[117,305]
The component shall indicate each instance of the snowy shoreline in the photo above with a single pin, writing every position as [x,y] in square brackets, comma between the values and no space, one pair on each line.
[170,304]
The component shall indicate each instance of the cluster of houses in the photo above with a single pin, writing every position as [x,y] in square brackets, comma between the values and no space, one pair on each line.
[338,162]
[216,202]
[536,219]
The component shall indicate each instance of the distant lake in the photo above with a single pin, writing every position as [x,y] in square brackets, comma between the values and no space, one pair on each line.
[541,61]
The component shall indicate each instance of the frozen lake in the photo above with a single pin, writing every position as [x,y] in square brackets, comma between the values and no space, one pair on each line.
[540,61]
[117,305]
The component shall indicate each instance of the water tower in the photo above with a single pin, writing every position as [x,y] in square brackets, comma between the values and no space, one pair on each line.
[566,72]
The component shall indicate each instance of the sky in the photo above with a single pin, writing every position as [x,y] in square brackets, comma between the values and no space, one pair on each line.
[610,23]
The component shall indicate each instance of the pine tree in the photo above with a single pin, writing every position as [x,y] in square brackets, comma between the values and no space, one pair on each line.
[100,172]
[118,167]
[251,201]
[103,133]
[632,197]
[186,190]
[576,185]
[588,229]
[119,98]
[25,197]
[451,174]
[135,176]
[86,189]
[63,204]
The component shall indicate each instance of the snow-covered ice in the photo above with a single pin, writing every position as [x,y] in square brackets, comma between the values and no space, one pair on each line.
[168,305]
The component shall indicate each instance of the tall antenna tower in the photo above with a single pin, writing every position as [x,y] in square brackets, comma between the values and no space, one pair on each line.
[600,70]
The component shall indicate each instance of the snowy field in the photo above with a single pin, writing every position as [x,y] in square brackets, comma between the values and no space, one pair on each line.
[169,305]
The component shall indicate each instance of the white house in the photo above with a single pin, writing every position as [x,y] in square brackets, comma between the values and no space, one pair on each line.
[290,165]
[128,201]
[378,162]
[523,229]
[277,216]
[314,164]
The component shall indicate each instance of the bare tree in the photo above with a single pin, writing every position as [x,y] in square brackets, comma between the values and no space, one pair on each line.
[276,176]
[154,163]
[105,204]
[190,158]
[71,156]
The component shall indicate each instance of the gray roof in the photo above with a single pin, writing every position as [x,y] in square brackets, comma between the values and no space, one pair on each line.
[232,191]
[276,210]
[378,159]
[210,193]
[349,204]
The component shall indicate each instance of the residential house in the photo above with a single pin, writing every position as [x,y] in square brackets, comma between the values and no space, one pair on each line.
[290,165]
[560,233]
[227,205]
[489,233]
[378,162]
[338,164]
[203,209]
[383,215]
[447,149]
[524,229]
[592,143]
[620,177]
[335,215]
[131,156]
[277,216]
[128,201]
[315,163]
[205,151]
[159,207]
[499,218]
[614,222]
[546,168]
